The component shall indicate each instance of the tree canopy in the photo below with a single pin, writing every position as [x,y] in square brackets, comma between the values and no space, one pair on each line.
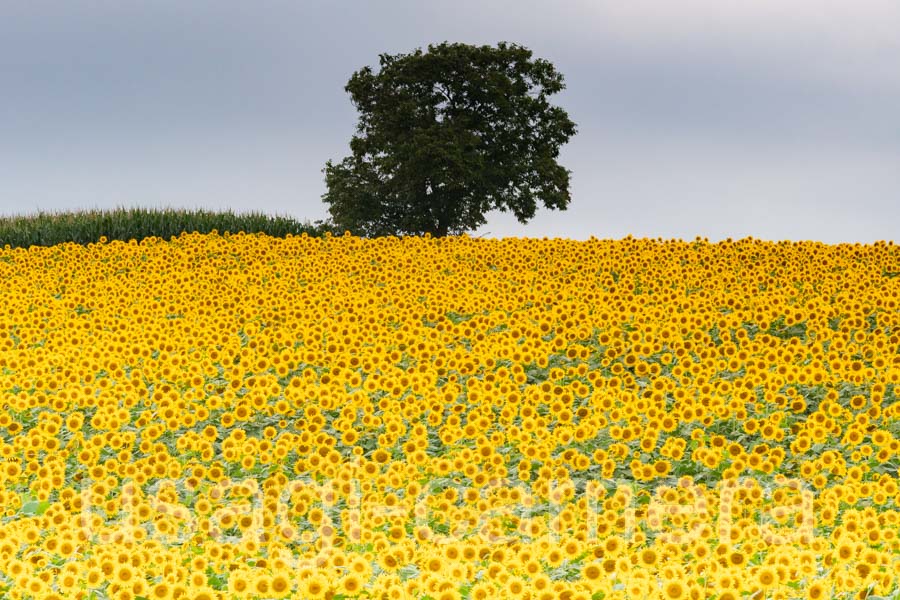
[445,136]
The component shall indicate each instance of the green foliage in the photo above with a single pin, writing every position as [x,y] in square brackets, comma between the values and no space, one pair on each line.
[446,136]
[32,507]
[84,227]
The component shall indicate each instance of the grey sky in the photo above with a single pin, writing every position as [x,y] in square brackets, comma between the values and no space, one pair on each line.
[772,118]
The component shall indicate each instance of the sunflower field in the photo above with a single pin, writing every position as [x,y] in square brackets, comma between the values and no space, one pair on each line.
[243,416]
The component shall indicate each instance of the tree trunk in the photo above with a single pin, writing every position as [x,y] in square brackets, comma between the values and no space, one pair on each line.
[434,202]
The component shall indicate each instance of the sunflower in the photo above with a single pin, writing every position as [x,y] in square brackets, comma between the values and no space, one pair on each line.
[124,575]
[674,590]
[315,587]
[203,593]
[350,584]
[648,557]
[592,571]
[280,585]
[261,585]
[766,577]
[737,559]
[816,591]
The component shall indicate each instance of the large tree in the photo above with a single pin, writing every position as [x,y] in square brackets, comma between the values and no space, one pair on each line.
[447,135]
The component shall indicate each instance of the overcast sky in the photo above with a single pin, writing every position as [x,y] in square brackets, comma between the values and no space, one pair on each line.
[778,119]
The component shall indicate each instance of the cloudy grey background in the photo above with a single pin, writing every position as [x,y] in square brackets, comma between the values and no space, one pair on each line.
[778,119]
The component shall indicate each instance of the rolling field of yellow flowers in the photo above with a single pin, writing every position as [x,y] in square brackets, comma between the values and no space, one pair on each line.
[244,416]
